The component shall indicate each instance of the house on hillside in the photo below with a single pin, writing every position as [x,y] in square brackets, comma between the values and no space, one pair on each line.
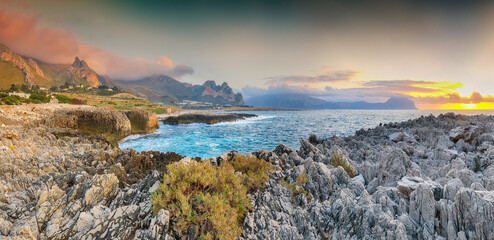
[22,95]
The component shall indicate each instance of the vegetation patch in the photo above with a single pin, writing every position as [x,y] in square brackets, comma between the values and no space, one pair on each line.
[63,99]
[210,202]
[297,188]
[337,160]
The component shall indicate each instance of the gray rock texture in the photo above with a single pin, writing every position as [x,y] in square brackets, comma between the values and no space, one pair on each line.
[427,178]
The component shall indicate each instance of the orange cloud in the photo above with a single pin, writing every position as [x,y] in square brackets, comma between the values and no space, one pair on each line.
[24,35]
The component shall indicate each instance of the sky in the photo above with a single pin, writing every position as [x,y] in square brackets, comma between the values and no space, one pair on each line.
[438,53]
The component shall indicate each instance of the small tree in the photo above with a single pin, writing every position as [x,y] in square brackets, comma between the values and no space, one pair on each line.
[13,88]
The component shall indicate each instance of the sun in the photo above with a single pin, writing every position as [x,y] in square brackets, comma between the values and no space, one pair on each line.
[468,106]
[458,106]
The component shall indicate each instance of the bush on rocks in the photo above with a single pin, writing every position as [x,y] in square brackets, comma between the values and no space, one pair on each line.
[255,171]
[208,201]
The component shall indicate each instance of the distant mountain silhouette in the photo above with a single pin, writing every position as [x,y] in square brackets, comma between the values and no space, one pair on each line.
[300,101]
[161,88]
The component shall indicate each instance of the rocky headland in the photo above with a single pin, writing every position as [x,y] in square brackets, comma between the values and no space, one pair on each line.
[208,118]
[427,178]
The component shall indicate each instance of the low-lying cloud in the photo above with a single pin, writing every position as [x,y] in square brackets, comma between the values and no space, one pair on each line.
[25,35]
[327,76]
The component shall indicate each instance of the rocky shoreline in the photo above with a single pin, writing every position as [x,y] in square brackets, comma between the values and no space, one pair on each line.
[427,178]
[208,118]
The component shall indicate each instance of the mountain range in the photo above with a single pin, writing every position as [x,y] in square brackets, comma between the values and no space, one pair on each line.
[301,101]
[161,88]
[17,69]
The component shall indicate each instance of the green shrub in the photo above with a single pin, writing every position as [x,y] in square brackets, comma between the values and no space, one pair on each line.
[112,103]
[38,98]
[8,102]
[302,179]
[337,160]
[209,201]
[297,188]
[477,167]
[63,99]
[255,171]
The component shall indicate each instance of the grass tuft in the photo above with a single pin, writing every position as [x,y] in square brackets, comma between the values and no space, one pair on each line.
[337,160]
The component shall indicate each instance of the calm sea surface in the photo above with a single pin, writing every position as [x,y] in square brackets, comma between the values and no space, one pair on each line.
[267,130]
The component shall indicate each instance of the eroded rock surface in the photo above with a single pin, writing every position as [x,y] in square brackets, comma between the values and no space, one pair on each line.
[428,178]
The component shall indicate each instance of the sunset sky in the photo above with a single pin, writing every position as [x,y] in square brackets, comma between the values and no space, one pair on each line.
[439,53]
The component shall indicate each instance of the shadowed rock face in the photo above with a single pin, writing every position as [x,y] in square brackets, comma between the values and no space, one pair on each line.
[114,125]
[142,121]
[206,118]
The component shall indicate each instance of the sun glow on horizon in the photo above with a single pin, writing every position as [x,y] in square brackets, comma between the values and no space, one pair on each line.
[457,106]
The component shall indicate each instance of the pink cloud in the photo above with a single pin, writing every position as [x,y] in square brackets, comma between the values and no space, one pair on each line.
[27,37]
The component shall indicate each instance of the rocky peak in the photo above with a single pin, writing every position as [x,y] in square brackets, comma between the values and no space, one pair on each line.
[81,70]
[210,83]
[79,63]
[224,91]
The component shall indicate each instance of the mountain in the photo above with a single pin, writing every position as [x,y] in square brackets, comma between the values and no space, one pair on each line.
[161,88]
[300,101]
[17,69]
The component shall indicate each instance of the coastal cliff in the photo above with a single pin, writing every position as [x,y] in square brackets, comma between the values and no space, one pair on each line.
[427,178]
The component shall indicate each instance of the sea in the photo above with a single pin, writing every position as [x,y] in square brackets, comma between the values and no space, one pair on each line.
[268,130]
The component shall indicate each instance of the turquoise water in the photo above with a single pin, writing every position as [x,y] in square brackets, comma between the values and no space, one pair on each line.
[266,131]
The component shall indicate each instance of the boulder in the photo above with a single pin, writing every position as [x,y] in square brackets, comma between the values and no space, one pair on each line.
[142,121]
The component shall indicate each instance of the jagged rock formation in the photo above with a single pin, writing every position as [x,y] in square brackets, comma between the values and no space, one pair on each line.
[57,184]
[428,178]
[80,70]
[167,90]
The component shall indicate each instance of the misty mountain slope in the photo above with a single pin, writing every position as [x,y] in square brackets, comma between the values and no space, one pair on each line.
[300,101]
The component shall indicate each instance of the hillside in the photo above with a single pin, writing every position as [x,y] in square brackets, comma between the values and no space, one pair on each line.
[17,69]
[164,89]
[298,101]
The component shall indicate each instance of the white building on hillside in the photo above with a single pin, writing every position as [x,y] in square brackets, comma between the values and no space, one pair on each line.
[22,95]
